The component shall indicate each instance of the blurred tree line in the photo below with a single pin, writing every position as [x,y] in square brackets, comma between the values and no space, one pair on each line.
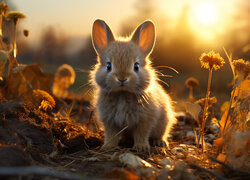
[177,46]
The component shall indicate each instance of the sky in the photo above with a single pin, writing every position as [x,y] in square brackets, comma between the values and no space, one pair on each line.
[75,17]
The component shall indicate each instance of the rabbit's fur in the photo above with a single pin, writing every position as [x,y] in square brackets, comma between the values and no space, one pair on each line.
[126,96]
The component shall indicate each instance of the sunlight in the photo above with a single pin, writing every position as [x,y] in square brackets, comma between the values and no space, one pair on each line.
[204,20]
[206,13]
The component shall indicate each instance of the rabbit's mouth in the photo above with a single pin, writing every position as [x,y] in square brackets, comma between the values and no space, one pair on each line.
[122,87]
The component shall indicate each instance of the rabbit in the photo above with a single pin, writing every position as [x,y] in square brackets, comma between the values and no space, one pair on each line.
[127,94]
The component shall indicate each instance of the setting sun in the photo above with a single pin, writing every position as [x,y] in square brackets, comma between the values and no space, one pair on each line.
[206,14]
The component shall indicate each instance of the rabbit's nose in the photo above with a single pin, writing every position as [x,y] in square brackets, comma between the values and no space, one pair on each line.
[123,80]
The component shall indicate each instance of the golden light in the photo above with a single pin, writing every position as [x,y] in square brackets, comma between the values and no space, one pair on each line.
[205,20]
[206,13]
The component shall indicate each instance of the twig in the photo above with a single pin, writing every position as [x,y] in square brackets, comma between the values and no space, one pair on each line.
[207,171]
[229,167]
[116,134]
[28,170]
[69,163]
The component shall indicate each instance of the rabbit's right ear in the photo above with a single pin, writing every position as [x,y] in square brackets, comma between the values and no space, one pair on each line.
[101,35]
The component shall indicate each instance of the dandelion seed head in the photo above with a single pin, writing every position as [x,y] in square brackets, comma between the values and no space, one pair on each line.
[211,60]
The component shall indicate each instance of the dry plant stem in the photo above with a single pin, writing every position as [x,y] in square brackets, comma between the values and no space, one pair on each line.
[191,97]
[245,173]
[217,176]
[14,39]
[117,134]
[205,109]
[229,110]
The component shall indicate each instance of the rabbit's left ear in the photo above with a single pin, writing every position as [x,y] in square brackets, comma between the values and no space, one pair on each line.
[144,37]
[101,35]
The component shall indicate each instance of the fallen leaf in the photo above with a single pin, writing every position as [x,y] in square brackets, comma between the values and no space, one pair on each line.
[218,142]
[194,109]
[133,161]
[121,174]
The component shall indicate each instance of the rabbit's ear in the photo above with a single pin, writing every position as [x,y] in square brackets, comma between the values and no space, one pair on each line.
[101,35]
[144,36]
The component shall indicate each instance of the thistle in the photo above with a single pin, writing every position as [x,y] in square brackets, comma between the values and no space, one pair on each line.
[209,61]
[14,16]
[241,68]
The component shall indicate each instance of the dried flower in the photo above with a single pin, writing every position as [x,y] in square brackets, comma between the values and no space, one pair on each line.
[3,8]
[242,68]
[211,101]
[64,77]
[66,70]
[44,99]
[15,15]
[192,82]
[211,60]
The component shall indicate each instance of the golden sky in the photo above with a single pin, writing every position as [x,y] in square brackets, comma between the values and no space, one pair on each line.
[75,17]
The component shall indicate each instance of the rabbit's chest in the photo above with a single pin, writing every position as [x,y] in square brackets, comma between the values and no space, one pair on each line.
[121,111]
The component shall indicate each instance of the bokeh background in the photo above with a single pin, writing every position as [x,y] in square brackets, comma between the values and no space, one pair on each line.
[59,32]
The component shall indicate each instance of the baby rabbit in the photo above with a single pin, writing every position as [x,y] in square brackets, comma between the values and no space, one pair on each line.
[127,93]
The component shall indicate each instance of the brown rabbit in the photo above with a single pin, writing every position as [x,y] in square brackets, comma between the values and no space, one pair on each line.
[127,92]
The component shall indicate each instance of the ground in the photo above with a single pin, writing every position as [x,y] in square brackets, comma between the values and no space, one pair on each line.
[68,145]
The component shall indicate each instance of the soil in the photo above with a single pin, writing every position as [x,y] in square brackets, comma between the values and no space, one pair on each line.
[70,141]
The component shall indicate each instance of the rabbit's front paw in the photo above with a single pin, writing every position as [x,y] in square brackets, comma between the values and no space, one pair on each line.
[142,147]
[159,143]
[108,146]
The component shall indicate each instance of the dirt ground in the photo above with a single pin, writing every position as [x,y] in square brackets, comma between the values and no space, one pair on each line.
[68,145]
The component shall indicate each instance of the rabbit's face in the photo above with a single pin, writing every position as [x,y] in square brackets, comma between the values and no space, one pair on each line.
[122,65]
[122,68]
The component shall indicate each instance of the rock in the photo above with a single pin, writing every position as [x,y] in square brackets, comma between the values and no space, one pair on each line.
[214,129]
[180,156]
[191,159]
[164,174]
[133,161]
[210,138]
[180,166]
[166,162]
[177,149]
[190,134]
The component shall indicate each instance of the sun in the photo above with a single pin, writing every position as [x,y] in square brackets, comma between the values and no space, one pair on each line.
[206,13]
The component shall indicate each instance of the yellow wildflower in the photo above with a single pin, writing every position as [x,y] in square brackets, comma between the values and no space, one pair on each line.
[211,60]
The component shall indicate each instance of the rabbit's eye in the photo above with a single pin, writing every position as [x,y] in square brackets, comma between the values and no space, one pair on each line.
[109,66]
[136,66]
